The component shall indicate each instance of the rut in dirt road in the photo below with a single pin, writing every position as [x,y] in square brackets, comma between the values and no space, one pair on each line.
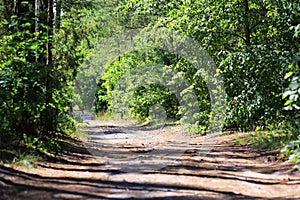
[117,162]
[132,148]
[147,156]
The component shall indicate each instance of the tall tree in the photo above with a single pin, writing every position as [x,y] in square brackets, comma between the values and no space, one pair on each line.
[35,89]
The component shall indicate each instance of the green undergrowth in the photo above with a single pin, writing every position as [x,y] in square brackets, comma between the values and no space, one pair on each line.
[272,137]
[285,138]
[157,122]
[105,116]
[27,160]
[276,137]
[27,151]
[19,157]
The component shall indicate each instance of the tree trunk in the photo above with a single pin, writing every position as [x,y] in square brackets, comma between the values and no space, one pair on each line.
[49,112]
[246,24]
[58,9]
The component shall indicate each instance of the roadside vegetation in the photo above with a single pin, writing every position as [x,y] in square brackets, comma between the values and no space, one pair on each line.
[45,51]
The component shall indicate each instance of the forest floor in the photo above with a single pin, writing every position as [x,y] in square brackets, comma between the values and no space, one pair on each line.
[126,161]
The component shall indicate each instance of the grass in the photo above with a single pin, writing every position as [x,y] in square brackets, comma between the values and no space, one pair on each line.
[18,158]
[241,138]
[156,123]
[23,159]
[274,139]
[105,116]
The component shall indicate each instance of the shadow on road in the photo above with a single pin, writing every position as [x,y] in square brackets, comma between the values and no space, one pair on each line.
[224,173]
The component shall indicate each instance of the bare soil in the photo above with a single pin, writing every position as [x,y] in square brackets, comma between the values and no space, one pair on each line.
[125,161]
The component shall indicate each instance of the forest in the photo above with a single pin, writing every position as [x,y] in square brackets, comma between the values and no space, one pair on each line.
[52,64]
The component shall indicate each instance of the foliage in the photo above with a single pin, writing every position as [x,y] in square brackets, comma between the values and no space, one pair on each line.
[101,103]
[254,88]
[237,35]
[273,139]
[105,116]
[293,150]
[292,92]
[250,41]
[140,100]
[38,66]
[149,95]
[45,55]
[291,95]
[24,159]
[98,23]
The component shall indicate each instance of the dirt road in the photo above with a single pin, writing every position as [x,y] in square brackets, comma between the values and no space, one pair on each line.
[123,161]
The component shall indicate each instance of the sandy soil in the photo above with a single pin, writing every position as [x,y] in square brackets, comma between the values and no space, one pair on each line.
[125,161]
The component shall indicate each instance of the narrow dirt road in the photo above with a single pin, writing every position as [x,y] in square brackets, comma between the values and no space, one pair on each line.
[123,161]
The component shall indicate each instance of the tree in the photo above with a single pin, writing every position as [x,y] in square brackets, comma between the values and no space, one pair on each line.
[37,71]
[250,41]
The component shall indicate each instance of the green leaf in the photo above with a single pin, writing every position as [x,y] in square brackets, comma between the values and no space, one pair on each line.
[288,102]
[294,85]
[287,75]
[287,93]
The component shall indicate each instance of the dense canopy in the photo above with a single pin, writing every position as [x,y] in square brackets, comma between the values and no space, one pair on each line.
[49,55]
